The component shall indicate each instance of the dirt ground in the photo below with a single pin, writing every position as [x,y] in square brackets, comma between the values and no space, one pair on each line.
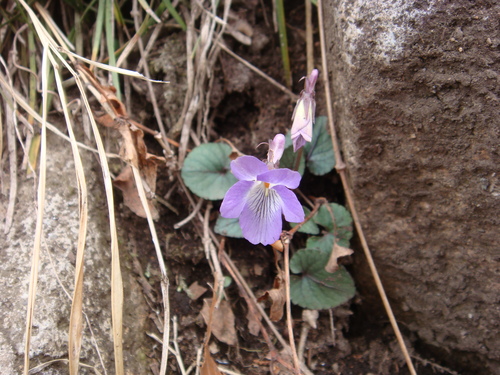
[248,110]
[422,155]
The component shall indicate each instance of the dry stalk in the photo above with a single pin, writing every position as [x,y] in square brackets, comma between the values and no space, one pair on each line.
[136,14]
[10,109]
[340,167]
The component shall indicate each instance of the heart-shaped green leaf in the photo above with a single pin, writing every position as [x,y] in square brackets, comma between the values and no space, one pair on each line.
[206,171]
[228,227]
[310,227]
[334,217]
[320,158]
[317,289]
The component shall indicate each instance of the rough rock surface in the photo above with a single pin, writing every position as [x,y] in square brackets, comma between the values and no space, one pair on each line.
[56,277]
[416,87]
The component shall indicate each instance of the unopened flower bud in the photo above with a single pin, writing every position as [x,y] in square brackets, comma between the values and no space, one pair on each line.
[276,149]
[304,113]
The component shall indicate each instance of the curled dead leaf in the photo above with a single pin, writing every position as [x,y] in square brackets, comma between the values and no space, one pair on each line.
[310,317]
[337,252]
[126,183]
[277,296]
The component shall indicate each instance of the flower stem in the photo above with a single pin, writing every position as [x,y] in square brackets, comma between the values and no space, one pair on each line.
[298,155]
[296,363]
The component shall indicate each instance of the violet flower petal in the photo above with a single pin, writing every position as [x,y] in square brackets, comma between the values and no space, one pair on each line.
[311,81]
[260,219]
[292,209]
[283,176]
[234,200]
[247,168]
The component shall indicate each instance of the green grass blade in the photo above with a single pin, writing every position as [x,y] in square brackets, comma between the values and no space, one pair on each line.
[280,14]
[173,12]
[96,44]
[110,43]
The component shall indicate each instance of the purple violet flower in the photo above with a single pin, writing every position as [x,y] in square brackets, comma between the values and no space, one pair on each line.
[304,113]
[259,199]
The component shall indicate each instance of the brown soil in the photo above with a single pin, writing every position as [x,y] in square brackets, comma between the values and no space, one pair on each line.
[248,110]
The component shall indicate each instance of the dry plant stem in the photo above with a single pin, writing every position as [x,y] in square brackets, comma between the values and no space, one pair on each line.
[212,252]
[332,327]
[286,250]
[20,101]
[251,307]
[317,204]
[304,331]
[163,270]
[11,144]
[196,209]
[245,295]
[435,366]
[309,37]
[154,102]
[76,318]
[35,258]
[259,72]
[176,346]
[340,167]
[241,281]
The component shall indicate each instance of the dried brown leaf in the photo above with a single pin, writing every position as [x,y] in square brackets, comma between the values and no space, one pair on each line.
[209,366]
[126,183]
[195,290]
[253,323]
[222,321]
[277,296]
[337,252]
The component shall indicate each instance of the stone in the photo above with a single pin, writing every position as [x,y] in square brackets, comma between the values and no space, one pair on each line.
[56,275]
[416,104]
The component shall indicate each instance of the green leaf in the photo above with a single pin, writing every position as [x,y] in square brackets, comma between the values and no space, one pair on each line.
[206,171]
[317,289]
[288,160]
[320,158]
[339,228]
[334,217]
[228,227]
[310,227]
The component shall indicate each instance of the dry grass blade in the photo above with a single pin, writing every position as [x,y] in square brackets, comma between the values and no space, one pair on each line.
[110,68]
[10,109]
[76,318]
[151,92]
[259,72]
[19,100]
[163,270]
[116,278]
[35,259]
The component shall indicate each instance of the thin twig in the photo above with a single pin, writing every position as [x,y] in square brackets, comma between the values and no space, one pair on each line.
[259,72]
[154,102]
[286,245]
[309,37]
[11,144]
[193,213]
[340,167]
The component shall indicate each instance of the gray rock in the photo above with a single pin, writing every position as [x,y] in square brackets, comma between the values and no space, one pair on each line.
[56,277]
[416,100]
